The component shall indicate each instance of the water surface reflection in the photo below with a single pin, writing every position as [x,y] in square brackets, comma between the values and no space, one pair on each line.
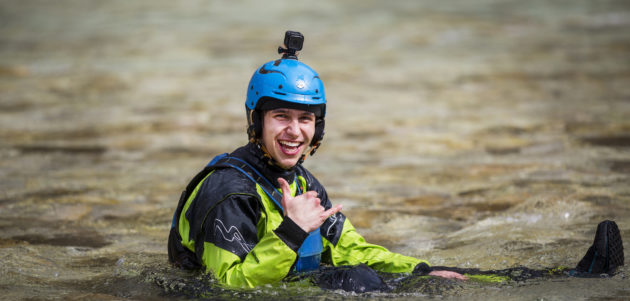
[487,134]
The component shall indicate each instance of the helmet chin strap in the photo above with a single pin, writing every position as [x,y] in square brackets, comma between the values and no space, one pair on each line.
[310,151]
[270,160]
[267,155]
[314,147]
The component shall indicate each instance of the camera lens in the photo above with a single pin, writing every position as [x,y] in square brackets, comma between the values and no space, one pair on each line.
[294,43]
[293,40]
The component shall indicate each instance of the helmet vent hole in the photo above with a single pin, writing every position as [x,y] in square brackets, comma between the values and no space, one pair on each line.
[315,98]
[317,91]
[251,87]
[280,87]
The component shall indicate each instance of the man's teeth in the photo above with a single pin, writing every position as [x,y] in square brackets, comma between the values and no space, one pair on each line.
[290,144]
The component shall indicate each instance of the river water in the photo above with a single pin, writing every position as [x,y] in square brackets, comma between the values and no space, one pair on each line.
[481,134]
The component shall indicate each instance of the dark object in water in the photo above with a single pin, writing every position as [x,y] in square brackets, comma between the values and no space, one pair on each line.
[358,279]
[606,253]
[178,255]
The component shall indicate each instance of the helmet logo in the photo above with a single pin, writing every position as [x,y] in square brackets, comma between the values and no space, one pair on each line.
[300,84]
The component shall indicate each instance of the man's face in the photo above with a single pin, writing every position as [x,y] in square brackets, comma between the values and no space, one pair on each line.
[287,133]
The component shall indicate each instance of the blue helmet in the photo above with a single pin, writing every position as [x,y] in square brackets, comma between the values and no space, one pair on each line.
[285,83]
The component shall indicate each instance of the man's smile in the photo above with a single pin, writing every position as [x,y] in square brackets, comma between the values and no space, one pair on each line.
[290,148]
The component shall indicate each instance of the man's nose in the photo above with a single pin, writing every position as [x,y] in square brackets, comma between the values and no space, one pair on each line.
[293,128]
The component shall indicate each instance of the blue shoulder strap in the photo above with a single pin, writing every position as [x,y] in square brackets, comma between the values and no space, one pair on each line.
[216,159]
[309,253]
[223,160]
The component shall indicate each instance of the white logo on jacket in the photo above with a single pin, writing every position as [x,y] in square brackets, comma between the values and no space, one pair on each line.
[333,218]
[231,235]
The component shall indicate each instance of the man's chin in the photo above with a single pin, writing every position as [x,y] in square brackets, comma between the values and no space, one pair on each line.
[287,163]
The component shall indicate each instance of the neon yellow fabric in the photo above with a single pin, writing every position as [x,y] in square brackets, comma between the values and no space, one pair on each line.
[268,262]
[184,225]
[487,278]
[271,259]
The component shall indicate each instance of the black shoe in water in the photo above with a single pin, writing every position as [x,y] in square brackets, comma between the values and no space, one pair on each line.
[606,253]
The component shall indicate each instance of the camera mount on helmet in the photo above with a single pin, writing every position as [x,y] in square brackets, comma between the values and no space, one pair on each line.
[293,42]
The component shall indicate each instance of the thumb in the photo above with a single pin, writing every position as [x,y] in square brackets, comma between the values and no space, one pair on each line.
[286,193]
[284,185]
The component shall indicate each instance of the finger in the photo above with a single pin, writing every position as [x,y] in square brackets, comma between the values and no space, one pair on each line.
[332,211]
[311,194]
[462,277]
[458,277]
[448,275]
[309,198]
[284,185]
[285,194]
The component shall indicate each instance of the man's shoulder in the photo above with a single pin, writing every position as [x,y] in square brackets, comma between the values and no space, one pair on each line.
[226,180]
[220,185]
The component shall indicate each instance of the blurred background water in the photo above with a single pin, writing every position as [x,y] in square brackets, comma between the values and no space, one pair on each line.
[485,134]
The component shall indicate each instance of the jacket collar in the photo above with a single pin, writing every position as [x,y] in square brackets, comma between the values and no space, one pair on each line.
[255,156]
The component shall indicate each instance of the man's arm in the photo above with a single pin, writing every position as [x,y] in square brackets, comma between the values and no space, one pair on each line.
[347,247]
[351,248]
[230,249]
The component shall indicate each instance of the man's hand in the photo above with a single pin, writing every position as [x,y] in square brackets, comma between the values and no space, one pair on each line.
[448,274]
[305,209]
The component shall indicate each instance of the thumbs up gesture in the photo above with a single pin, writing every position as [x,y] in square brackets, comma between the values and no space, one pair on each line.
[305,209]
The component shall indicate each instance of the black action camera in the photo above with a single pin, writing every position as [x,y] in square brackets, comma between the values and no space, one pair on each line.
[293,42]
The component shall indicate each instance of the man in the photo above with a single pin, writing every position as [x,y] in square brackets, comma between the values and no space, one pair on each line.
[232,219]
[257,215]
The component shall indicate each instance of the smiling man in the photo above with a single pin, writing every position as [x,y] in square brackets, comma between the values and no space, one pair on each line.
[286,134]
[257,215]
